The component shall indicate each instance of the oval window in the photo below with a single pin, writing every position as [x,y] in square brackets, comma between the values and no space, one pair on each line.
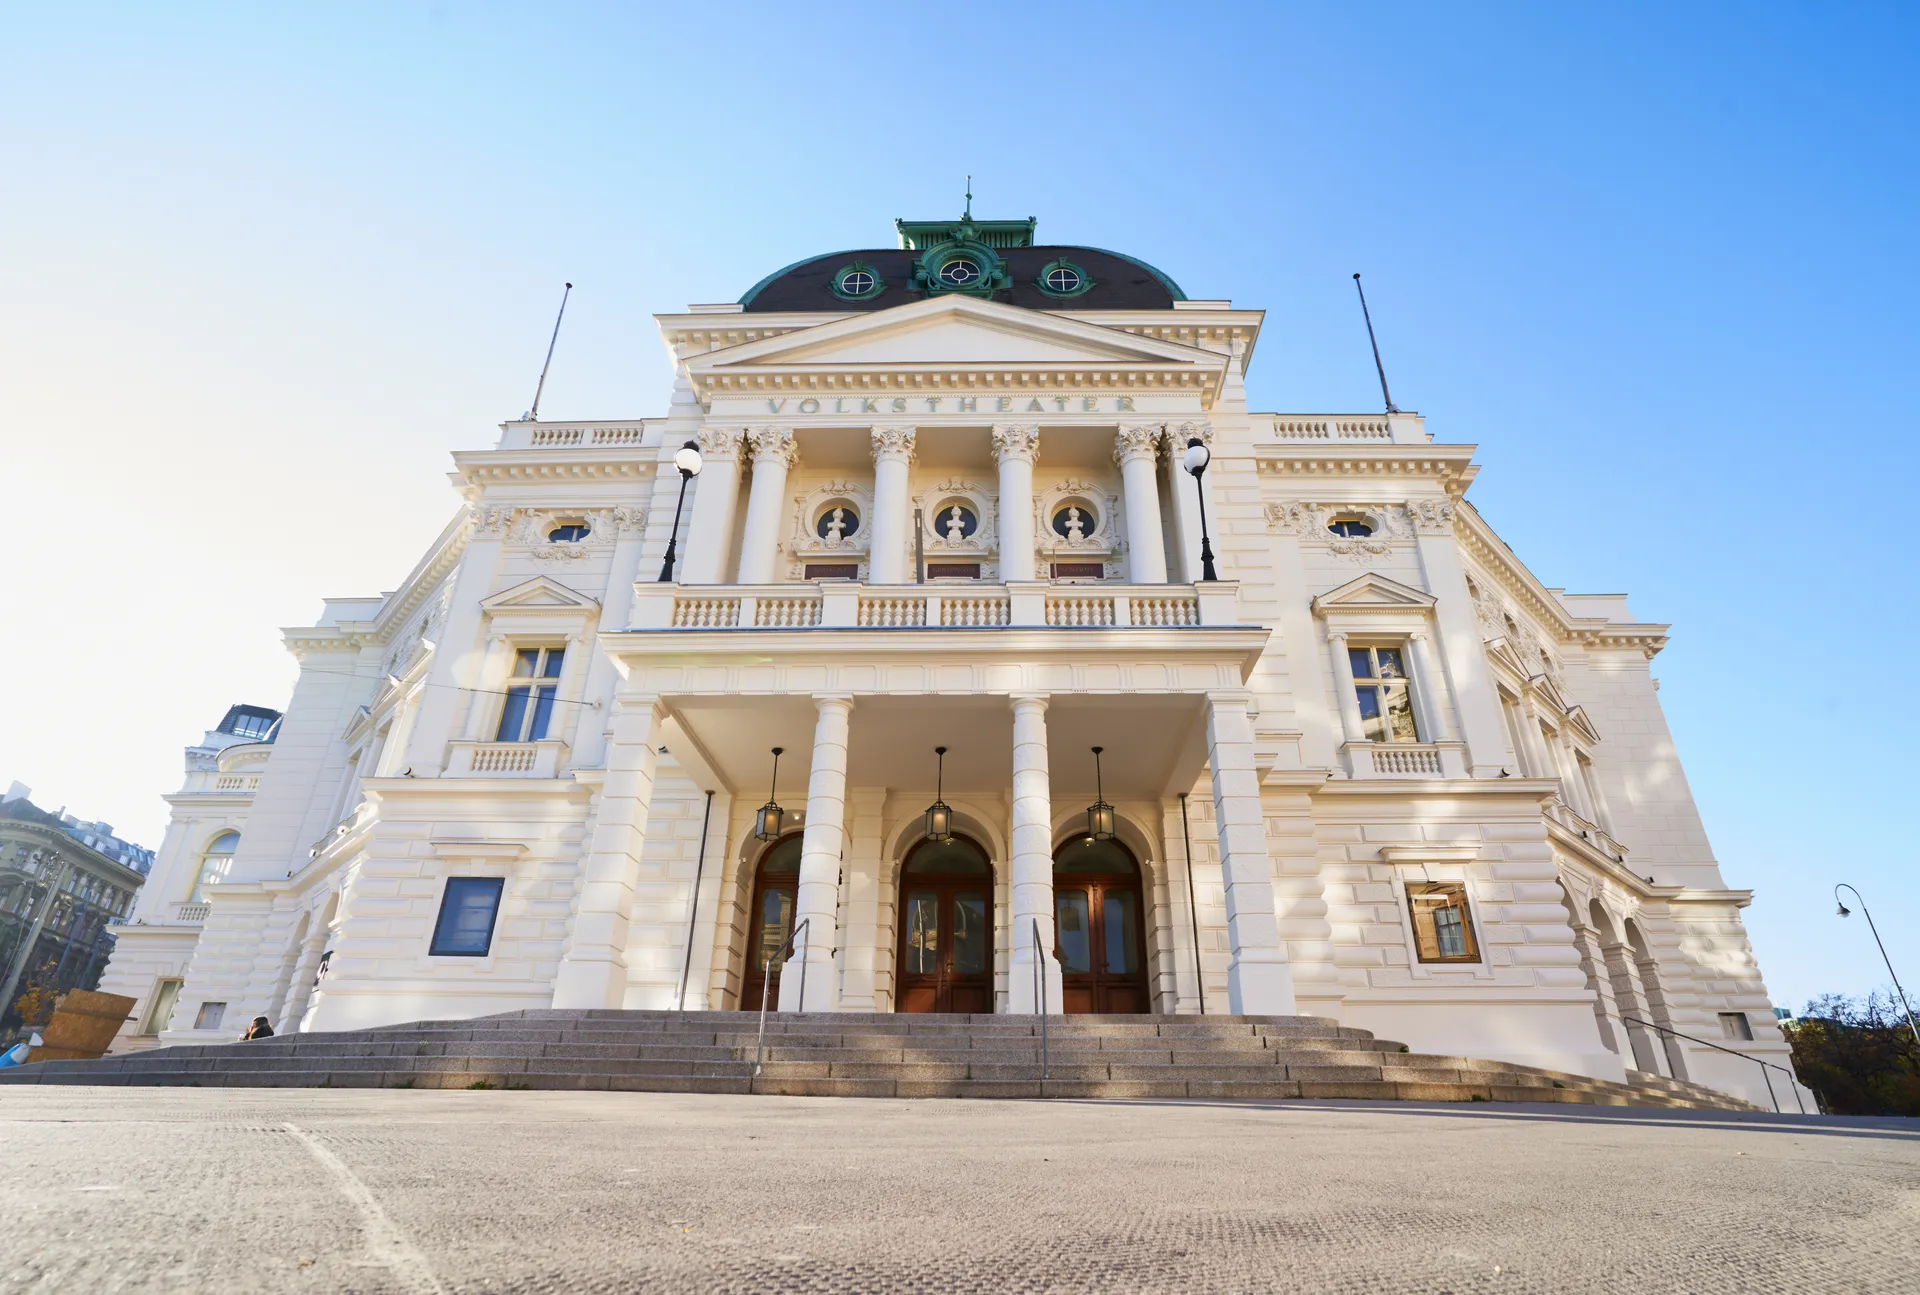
[1063,278]
[1074,522]
[568,533]
[959,271]
[857,283]
[1351,527]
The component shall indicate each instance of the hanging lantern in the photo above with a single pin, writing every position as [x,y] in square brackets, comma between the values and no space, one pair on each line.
[766,824]
[1099,814]
[940,814]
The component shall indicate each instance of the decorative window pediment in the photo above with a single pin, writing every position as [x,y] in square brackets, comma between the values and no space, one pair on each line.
[541,594]
[1372,593]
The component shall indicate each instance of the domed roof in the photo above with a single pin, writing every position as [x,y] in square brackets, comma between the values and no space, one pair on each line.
[996,260]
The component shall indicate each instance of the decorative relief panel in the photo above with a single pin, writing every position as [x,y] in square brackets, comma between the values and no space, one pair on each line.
[1079,521]
[1338,527]
[960,520]
[772,443]
[1501,624]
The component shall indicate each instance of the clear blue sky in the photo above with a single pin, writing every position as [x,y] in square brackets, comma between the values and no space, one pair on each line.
[261,267]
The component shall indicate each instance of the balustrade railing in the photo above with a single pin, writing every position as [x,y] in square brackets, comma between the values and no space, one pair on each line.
[1423,761]
[849,605]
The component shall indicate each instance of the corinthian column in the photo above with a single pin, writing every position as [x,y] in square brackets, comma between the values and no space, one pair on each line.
[1015,447]
[1134,450]
[774,452]
[716,494]
[887,540]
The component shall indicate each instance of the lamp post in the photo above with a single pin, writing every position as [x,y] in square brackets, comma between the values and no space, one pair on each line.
[1844,911]
[687,459]
[1195,460]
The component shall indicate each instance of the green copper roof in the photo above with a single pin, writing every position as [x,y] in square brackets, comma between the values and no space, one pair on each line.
[918,235]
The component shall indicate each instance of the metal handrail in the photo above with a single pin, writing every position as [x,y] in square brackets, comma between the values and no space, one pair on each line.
[766,985]
[1793,1079]
[1040,997]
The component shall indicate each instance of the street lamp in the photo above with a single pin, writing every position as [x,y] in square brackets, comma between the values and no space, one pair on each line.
[687,459]
[1099,814]
[1195,460]
[1844,911]
[940,814]
[766,823]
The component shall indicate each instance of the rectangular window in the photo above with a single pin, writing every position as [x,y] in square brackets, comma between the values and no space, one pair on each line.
[165,995]
[1735,1025]
[467,910]
[530,694]
[1442,929]
[210,1016]
[1386,705]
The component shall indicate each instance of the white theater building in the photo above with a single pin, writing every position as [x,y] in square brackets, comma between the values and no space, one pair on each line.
[1376,771]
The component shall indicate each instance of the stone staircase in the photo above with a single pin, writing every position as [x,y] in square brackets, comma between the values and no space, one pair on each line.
[863,1055]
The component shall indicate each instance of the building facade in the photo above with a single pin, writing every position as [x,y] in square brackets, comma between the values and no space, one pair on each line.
[939,496]
[64,882]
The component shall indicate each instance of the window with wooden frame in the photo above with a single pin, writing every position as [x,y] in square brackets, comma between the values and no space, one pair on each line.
[1442,927]
[530,694]
[213,865]
[1386,697]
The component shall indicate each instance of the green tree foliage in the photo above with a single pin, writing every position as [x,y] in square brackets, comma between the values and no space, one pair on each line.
[1858,1054]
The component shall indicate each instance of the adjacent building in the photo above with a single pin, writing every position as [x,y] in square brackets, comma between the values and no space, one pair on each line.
[64,882]
[1056,718]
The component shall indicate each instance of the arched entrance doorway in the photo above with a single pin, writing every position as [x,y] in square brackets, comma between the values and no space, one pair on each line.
[946,929]
[1098,931]
[770,921]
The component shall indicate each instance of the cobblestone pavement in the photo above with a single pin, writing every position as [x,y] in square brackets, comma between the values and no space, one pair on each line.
[233,1190]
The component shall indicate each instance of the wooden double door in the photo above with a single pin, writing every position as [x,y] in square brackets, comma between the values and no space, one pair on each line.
[946,930]
[1098,928]
[776,892]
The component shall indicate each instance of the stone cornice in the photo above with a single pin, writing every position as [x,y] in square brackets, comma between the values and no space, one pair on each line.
[476,469]
[1451,466]
[1479,541]
[1536,789]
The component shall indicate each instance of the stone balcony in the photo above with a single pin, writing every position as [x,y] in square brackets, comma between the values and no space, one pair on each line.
[543,759]
[846,604]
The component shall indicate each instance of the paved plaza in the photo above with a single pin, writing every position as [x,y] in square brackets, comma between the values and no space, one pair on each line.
[235,1190]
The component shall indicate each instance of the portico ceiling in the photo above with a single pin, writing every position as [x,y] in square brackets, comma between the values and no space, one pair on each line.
[1155,744]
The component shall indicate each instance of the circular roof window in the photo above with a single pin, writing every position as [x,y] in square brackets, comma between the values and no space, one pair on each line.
[959,271]
[1350,527]
[1063,279]
[856,282]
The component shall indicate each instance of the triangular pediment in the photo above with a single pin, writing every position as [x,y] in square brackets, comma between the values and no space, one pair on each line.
[1372,592]
[542,593]
[1502,651]
[954,331]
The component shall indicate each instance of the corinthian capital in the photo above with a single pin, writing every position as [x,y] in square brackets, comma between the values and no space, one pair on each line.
[1136,441]
[772,443]
[721,444]
[893,441]
[1016,441]
[1180,434]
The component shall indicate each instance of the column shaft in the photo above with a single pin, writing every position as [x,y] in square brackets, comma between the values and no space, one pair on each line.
[1426,689]
[774,453]
[1185,493]
[593,969]
[1015,447]
[716,495]
[1135,449]
[1031,884]
[887,538]
[1343,684]
[1259,981]
[822,844]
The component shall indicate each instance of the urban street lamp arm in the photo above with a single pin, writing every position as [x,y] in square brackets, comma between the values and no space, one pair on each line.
[1865,912]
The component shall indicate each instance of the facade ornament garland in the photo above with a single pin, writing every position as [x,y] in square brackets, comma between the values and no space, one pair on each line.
[493,523]
[1016,441]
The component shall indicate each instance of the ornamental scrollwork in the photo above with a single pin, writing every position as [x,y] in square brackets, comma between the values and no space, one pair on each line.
[1431,516]
[1136,441]
[893,441]
[774,444]
[493,523]
[720,444]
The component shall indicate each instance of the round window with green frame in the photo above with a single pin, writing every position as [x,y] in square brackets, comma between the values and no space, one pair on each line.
[858,282]
[1063,279]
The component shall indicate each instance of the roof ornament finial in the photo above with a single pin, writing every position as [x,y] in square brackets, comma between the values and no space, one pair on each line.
[968,213]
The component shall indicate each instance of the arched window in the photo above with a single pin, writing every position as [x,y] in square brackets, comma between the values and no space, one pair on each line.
[214,862]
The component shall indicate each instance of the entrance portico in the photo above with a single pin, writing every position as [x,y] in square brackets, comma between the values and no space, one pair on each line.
[1019,711]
